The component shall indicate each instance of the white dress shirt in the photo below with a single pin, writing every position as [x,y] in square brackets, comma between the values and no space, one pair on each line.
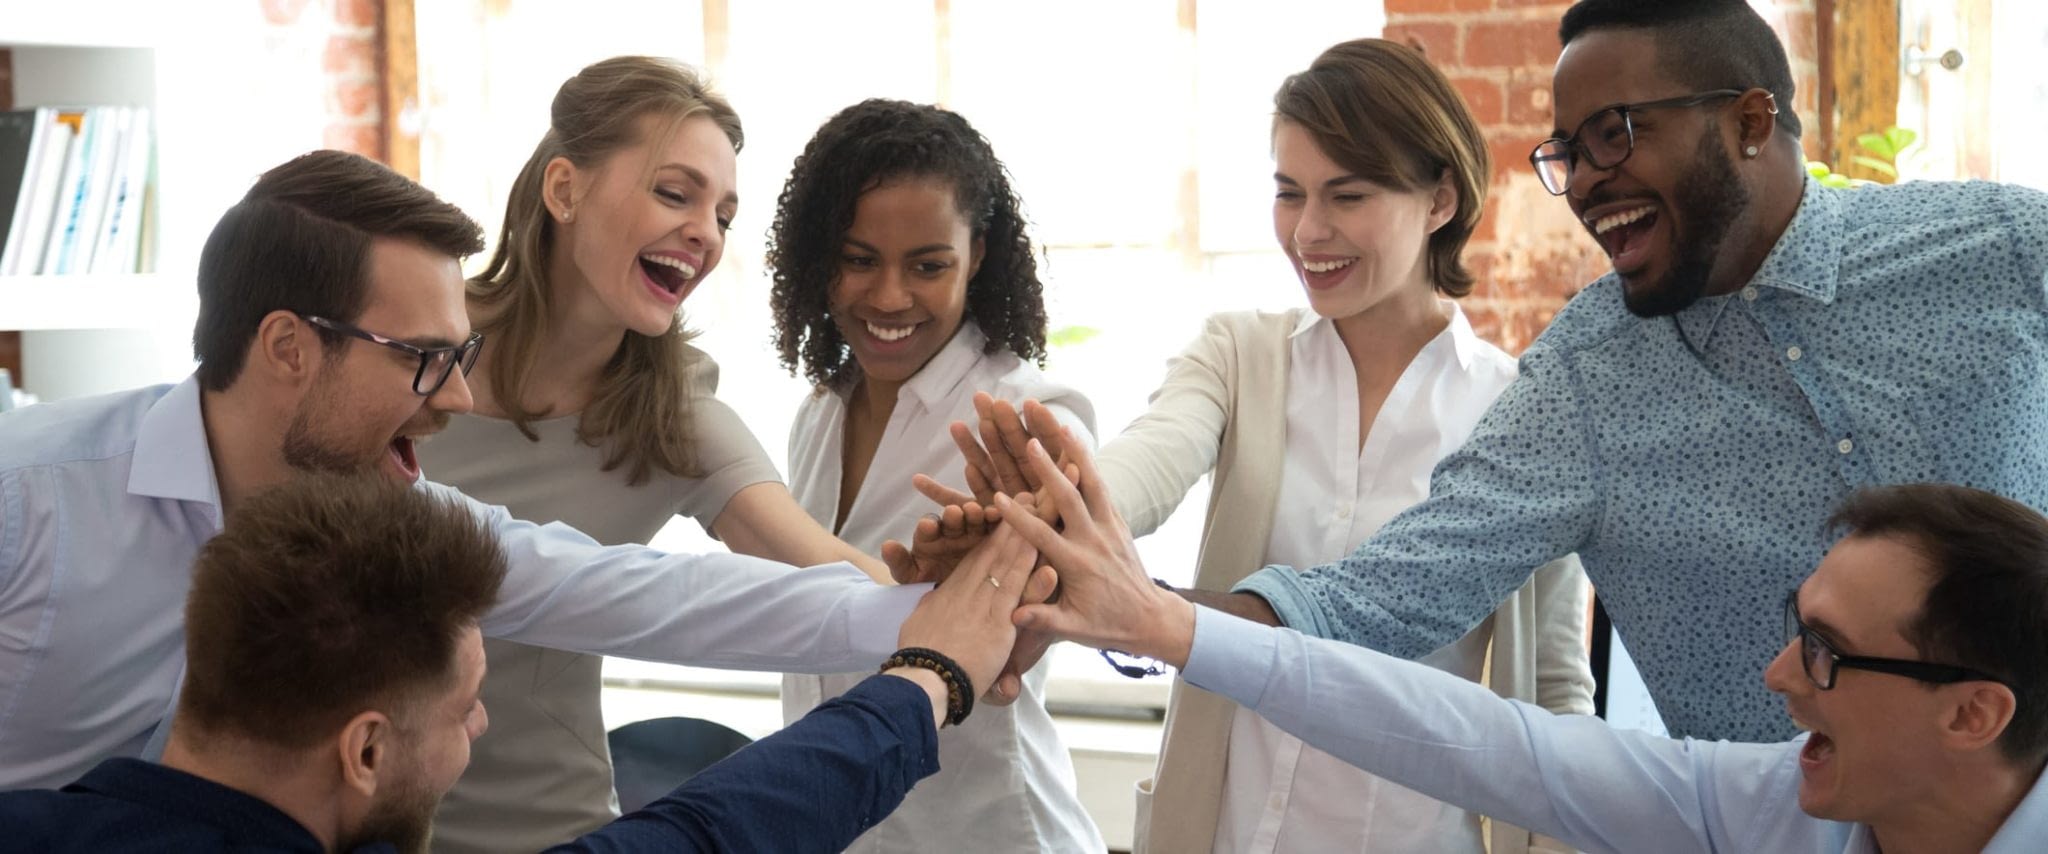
[1278,795]
[1568,776]
[104,502]
[1005,781]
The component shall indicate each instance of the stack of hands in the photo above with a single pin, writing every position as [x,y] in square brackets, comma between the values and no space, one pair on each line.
[1033,554]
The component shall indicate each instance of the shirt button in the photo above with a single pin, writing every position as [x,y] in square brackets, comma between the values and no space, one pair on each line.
[1792,354]
[1343,512]
[1845,446]
[1749,294]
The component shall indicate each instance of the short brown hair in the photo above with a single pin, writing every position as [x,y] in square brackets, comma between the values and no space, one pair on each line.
[1381,111]
[1987,557]
[326,597]
[300,242]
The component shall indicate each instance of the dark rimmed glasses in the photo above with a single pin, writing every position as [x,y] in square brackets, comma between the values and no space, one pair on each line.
[1822,662]
[1604,139]
[437,364]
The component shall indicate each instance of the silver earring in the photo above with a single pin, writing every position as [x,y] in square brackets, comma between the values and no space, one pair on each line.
[1749,152]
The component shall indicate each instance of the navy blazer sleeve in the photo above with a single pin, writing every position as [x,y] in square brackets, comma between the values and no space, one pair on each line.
[814,786]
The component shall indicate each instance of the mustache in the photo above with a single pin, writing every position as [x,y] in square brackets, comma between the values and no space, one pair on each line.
[1605,198]
[428,422]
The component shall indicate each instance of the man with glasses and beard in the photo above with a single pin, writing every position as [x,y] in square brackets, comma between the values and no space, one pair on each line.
[1764,346]
[1912,655]
[331,336]
[333,688]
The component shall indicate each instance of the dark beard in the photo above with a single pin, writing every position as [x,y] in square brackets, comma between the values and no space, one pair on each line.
[1708,200]
[304,451]
[405,821]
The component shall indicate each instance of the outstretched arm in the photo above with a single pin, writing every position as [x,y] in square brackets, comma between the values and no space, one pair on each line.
[813,786]
[764,520]
[1523,491]
[830,776]
[1568,776]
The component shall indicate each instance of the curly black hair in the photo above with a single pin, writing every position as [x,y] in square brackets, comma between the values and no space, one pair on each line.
[864,146]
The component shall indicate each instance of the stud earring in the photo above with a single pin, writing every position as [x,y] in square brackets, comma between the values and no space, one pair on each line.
[1749,152]
[569,215]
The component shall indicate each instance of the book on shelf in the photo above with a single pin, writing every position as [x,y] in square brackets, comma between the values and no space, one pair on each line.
[19,136]
[79,198]
[37,202]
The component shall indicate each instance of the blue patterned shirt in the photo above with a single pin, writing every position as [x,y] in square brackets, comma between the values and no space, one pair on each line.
[1893,335]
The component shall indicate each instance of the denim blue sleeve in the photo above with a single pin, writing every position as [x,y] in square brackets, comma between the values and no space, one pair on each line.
[814,786]
[1520,493]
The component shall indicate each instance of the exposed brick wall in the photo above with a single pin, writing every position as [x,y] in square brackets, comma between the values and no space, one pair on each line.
[351,81]
[1528,253]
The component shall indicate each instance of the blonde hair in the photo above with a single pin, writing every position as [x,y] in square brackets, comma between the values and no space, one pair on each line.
[639,413]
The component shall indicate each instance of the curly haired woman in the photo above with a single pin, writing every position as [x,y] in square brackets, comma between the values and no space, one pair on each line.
[905,283]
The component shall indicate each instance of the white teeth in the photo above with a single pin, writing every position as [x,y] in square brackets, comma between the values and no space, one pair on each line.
[688,271]
[1326,266]
[891,333]
[1613,221]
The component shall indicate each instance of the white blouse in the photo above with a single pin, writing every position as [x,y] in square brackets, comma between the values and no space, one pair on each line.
[1005,780]
[1279,795]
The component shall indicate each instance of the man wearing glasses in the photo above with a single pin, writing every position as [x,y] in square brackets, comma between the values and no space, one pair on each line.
[331,336]
[1764,346]
[1912,655]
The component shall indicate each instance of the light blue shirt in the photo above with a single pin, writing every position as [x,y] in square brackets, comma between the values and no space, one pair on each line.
[1568,776]
[105,501]
[1893,335]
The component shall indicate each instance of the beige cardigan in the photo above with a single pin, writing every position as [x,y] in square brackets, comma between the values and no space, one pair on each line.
[1222,408]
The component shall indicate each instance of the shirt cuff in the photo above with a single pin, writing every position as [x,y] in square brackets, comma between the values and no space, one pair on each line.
[1231,656]
[1282,588]
[877,615]
[909,710]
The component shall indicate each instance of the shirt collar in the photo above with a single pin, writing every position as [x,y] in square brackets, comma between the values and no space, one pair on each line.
[1309,319]
[2021,833]
[2028,824]
[1805,262]
[1465,343]
[240,815]
[941,376]
[172,459]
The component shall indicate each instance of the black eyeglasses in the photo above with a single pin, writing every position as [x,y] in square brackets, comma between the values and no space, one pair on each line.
[1604,139]
[436,364]
[1822,662]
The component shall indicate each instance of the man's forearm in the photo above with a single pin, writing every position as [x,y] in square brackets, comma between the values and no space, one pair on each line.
[814,786]
[1248,606]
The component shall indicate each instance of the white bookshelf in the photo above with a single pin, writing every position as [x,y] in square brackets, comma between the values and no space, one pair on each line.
[120,302]
[86,334]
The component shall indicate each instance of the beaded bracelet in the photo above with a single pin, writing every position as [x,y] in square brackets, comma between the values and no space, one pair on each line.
[959,690]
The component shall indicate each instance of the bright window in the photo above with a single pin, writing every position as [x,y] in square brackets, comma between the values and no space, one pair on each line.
[1138,139]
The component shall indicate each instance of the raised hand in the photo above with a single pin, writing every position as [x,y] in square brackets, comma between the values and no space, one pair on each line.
[938,542]
[1005,431]
[1107,600]
[968,617]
